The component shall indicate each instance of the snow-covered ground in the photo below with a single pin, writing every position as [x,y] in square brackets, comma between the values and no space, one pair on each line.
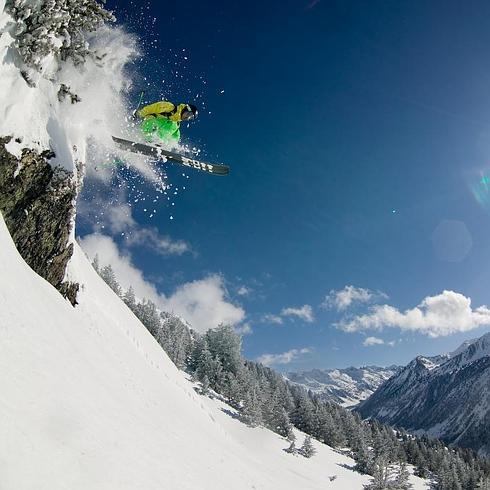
[90,400]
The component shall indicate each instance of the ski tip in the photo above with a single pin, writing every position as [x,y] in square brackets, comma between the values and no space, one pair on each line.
[222,171]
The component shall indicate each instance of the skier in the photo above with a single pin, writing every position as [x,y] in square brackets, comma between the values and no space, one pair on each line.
[162,120]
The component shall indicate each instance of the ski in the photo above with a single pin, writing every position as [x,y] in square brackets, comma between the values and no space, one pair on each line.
[158,152]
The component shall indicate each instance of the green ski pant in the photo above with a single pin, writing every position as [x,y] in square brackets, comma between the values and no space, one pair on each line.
[161,128]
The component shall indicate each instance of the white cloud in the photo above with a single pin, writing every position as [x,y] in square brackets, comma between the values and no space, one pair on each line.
[116,218]
[284,358]
[203,303]
[444,314]
[127,274]
[304,313]
[368,341]
[119,218]
[269,318]
[244,329]
[344,298]
[244,291]
[149,237]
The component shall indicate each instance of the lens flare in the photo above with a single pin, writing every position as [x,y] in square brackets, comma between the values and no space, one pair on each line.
[481,190]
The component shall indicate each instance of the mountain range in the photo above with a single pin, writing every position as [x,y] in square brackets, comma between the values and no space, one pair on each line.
[346,387]
[446,396]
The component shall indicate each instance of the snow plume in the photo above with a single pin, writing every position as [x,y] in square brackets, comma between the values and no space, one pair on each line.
[65,105]
[349,296]
[284,358]
[203,303]
[436,316]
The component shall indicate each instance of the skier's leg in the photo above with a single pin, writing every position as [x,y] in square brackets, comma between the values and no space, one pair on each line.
[166,130]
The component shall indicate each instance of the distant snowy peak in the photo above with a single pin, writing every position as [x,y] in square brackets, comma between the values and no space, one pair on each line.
[346,387]
[445,396]
[474,350]
[463,347]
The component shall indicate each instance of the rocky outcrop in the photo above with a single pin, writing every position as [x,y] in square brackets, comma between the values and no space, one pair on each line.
[37,202]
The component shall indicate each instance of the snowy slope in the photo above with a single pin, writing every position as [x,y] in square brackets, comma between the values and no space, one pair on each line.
[346,387]
[89,400]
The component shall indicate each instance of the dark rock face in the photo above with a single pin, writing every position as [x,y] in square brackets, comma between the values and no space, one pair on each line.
[37,204]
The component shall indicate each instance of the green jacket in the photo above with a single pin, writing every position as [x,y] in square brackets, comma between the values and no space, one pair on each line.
[161,120]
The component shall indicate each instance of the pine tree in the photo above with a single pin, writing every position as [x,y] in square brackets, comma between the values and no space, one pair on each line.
[231,390]
[205,367]
[130,299]
[107,273]
[421,471]
[292,448]
[402,479]
[484,483]
[195,353]
[175,338]
[205,385]
[302,415]
[54,27]
[307,449]
[251,413]
[225,345]
[381,477]
[364,459]
[95,263]
[147,313]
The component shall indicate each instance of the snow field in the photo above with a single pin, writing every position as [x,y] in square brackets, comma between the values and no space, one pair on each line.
[91,401]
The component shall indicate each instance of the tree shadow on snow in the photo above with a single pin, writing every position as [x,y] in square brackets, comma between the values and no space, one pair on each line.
[231,413]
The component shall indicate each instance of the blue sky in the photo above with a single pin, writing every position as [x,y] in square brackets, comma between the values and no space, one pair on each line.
[359,139]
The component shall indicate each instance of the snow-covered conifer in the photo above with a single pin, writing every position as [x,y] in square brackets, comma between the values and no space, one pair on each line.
[402,478]
[292,448]
[382,476]
[205,385]
[226,345]
[107,273]
[307,449]
[54,27]
[130,299]
[95,263]
[484,483]
[251,413]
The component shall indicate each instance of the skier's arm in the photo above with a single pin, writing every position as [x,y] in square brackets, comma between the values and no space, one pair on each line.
[162,107]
